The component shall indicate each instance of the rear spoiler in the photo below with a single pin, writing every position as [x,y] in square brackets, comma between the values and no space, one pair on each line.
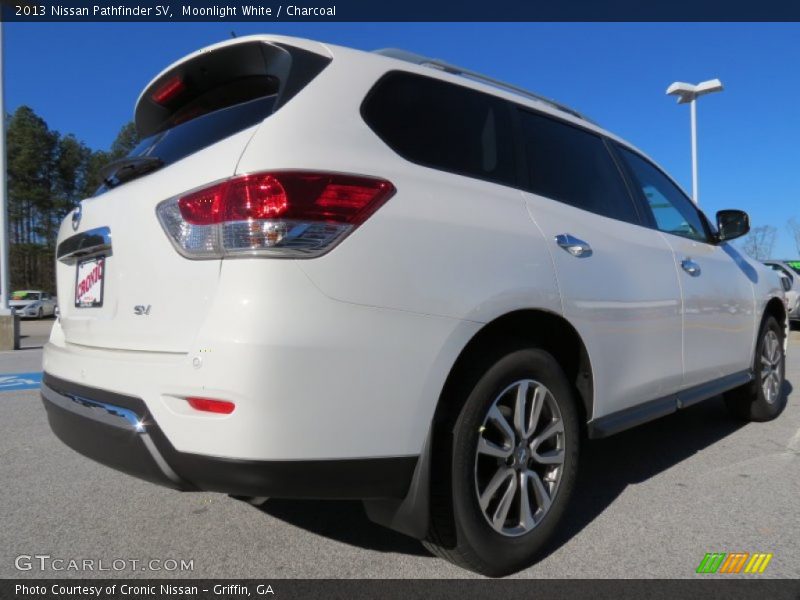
[278,67]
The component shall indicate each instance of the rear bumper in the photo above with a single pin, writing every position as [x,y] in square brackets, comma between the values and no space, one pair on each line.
[119,431]
[312,379]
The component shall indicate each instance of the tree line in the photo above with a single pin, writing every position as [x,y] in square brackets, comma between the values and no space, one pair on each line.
[760,242]
[49,173]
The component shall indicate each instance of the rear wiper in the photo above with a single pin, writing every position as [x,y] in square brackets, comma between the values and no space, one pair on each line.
[130,167]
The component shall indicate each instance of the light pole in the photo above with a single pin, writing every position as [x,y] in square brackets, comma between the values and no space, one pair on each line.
[4,275]
[9,323]
[4,278]
[688,93]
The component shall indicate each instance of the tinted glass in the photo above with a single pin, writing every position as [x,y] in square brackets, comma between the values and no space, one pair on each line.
[672,211]
[194,135]
[573,166]
[443,126]
[173,144]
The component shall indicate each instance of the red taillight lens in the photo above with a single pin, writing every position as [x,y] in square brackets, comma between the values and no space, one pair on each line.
[222,407]
[255,197]
[285,213]
[203,207]
[168,90]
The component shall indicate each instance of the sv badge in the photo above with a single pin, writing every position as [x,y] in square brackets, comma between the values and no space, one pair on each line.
[141,310]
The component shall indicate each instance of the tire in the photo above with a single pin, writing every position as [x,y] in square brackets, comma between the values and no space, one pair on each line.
[462,529]
[763,399]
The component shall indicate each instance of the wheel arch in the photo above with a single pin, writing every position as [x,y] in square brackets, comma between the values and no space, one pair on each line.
[775,308]
[541,328]
[544,329]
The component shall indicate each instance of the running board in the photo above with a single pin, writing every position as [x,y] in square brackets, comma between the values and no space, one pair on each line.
[654,409]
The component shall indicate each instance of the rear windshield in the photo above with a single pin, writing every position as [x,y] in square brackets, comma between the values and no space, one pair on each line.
[189,137]
[193,135]
[211,97]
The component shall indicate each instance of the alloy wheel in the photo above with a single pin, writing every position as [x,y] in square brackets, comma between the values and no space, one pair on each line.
[520,457]
[771,367]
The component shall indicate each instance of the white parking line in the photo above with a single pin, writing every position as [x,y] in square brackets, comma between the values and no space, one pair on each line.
[794,443]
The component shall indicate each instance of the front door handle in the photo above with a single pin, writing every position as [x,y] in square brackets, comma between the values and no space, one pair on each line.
[691,267]
[576,247]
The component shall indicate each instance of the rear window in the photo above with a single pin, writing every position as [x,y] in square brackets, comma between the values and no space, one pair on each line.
[444,126]
[216,94]
[181,140]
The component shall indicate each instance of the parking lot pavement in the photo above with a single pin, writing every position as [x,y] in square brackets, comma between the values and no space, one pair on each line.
[650,502]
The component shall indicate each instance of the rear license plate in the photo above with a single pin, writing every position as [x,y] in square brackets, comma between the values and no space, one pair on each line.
[89,282]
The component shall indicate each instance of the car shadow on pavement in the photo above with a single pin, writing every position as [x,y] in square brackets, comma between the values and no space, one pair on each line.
[343,521]
[608,467]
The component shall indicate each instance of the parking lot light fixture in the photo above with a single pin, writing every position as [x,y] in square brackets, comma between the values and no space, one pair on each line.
[688,93]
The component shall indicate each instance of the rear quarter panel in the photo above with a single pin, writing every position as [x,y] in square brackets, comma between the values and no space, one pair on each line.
[444,245]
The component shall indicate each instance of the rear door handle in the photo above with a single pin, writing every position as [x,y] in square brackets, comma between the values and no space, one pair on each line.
[576,247]
[691,267]
[88,243]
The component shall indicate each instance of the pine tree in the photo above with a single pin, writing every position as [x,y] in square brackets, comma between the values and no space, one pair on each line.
[126,140]
[48,175]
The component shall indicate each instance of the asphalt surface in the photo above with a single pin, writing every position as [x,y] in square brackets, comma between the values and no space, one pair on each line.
[650,503]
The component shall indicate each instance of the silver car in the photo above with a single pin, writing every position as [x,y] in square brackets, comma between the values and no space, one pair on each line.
[788,272]
[33,303]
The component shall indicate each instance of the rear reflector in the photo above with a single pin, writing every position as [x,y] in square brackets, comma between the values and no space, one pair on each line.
[284,213]
[222,407]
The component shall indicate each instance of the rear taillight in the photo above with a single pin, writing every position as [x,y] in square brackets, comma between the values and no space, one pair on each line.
[283,214]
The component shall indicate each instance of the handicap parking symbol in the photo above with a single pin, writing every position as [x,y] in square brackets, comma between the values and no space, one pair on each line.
[10,382]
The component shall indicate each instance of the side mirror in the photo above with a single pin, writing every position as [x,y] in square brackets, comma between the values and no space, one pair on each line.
[786,283]
[732,224]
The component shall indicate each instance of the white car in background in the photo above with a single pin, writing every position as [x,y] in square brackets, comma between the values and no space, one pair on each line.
[411,285]
[790,274]
[33,303]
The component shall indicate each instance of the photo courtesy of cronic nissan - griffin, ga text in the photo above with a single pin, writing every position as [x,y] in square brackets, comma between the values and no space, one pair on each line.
[329,273]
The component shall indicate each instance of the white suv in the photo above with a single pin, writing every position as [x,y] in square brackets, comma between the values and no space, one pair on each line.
[326,273]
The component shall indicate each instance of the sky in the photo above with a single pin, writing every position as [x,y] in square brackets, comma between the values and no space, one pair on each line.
[83,78]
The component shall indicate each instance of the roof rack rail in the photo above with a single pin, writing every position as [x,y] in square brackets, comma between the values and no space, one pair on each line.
[418,59]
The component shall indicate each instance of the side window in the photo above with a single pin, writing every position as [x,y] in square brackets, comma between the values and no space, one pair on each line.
[443,126]
[574,166]
[672,211]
